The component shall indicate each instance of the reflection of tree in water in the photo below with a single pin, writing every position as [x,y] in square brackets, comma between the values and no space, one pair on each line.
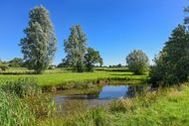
[134,91]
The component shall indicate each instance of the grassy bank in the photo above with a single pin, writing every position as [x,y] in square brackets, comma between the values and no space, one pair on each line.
[65,78]
[168,107]
[23,104]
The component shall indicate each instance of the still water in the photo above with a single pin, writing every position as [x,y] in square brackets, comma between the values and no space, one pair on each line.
[102,97]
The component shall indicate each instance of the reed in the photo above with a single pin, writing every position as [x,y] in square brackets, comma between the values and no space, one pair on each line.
[14,112]
[22,87]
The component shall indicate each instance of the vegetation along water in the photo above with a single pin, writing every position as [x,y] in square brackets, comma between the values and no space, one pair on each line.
[83,91]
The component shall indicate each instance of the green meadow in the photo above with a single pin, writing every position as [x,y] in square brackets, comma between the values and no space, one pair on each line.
[60,77]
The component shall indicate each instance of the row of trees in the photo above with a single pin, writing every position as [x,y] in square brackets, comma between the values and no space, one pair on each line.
[39,45]
[16,62]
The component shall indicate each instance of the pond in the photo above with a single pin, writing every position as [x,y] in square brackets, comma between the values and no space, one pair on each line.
[77,101]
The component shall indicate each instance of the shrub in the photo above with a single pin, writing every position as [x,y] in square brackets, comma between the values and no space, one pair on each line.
[138,62]
[16,62]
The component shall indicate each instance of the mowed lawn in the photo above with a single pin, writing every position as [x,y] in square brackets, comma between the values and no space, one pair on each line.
[58,77]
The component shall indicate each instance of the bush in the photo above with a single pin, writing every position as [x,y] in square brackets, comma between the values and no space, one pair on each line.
[23,87]
[13,112]
[138,62]
[16,62]
[3,67]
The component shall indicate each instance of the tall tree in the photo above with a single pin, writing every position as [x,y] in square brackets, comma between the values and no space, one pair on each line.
[172,66]
[92,57]
[39,45]
[76,47]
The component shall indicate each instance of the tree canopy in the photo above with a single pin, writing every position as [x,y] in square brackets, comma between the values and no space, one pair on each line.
[75,47]
[39,45]
[92,57]
[172,64]
[137,62]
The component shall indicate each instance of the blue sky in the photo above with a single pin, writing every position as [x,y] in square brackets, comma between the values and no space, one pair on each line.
[114,27]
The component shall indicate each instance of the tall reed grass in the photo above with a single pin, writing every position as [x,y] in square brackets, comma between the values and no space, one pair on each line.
[22,103]
[22,87]
[13,112]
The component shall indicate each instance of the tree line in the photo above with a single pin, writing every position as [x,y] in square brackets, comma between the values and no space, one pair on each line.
[171,65]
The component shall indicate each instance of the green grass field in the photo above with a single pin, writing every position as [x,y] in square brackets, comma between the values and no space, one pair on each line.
[61,77]
[167,106]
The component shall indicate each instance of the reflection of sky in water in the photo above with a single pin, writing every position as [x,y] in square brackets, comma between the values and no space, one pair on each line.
[113,92]
[102,98]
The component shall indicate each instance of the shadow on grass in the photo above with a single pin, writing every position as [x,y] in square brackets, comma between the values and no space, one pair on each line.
[123,75]
[18,73]
[113,70]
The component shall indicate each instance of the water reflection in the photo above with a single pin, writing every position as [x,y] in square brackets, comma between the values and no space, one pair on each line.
[134,91]
[79,102]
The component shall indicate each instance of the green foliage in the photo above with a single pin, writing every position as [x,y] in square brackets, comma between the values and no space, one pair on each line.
[38,47]
[16,62]
[13,112]
[157,71]
[138,62]
[78,55]
[3,67]
[22,87]
[75,47]
[186,19]
[92,57]
[63,64]
[172,65]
